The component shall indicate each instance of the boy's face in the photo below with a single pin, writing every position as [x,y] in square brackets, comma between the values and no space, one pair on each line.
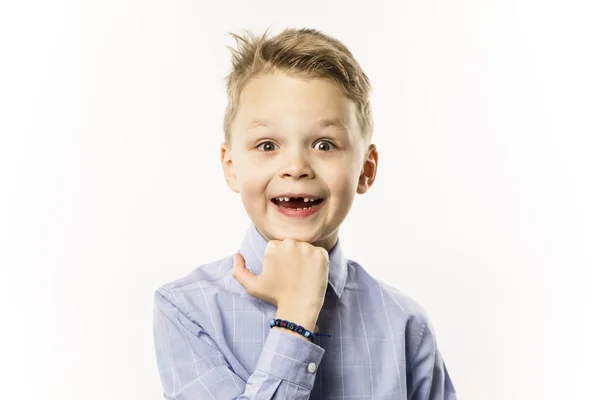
[290,152]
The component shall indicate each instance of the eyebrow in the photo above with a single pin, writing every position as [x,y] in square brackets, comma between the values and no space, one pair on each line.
[256,123]
[322,123]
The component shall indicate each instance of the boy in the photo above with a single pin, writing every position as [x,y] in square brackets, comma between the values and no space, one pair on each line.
[297,148]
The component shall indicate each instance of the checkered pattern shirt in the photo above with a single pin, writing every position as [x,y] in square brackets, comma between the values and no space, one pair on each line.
[213,339]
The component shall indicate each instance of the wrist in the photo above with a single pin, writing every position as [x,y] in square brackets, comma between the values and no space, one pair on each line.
[305,318]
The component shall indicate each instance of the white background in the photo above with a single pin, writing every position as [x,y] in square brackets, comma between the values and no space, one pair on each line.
[485,207]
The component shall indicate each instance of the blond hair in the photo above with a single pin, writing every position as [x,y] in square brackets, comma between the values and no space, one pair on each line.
[306,53]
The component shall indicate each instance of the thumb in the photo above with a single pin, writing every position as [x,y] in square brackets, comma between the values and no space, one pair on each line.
[242,274]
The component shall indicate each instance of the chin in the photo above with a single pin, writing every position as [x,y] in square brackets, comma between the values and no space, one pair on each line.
[296,232]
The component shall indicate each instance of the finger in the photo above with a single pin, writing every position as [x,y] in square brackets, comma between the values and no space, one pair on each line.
[242,274]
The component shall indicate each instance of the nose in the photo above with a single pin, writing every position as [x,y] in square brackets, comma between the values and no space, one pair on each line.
[296,166]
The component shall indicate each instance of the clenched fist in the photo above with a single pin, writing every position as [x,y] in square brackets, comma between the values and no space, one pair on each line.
[294,275]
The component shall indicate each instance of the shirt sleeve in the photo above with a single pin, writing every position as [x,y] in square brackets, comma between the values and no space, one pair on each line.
[191,366]
[427,377]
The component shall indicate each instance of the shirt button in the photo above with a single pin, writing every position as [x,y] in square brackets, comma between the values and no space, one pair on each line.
[312,367]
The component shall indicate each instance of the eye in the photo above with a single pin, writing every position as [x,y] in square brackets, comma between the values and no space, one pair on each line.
[268,141]
[328,143]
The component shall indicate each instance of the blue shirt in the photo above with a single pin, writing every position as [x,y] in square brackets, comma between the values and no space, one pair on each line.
[213,339]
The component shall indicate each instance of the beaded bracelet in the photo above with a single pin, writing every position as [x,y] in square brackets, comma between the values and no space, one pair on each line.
[296,328]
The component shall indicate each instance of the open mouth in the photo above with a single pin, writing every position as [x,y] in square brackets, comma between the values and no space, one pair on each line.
[297,203]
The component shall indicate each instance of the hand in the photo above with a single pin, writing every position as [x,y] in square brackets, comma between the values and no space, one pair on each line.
[294,275]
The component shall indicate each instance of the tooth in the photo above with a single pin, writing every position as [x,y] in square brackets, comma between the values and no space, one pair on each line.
[287,198]
[306,199]
[312,200]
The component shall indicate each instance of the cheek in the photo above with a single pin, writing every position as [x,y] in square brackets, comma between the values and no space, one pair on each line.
[340,182]
[252,181]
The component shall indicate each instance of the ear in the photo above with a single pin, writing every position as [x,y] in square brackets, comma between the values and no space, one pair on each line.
[369,170]
[228,170]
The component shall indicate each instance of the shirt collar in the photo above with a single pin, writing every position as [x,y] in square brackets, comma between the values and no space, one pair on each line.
[253,249]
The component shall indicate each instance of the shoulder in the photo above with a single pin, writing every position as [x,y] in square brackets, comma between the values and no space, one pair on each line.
[419,335]
[208,277]
[399,307]
[392,298]
[396,298]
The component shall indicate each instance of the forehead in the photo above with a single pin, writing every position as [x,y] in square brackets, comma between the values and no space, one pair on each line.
[285,100]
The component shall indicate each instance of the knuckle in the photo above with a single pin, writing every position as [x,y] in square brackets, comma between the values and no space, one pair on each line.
[287,245]
[323,254]
[271,245]
[304,246]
